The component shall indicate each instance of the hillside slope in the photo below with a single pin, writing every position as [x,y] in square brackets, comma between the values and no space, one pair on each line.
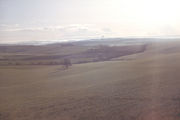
[143,86]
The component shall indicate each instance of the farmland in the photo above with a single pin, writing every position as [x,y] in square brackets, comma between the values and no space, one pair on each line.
[129,82]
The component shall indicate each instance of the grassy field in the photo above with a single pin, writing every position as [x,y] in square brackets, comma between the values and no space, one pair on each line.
[142,86]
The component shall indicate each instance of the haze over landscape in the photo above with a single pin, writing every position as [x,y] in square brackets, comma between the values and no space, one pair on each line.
[63,20]
[89,60]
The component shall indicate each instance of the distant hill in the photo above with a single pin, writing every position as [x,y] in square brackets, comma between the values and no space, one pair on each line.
[77,52]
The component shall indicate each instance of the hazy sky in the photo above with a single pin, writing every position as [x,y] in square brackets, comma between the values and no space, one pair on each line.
[34,20]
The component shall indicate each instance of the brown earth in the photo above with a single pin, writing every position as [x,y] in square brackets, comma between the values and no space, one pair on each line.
[143,86]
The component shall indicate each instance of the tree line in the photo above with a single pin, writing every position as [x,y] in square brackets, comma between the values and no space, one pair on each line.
[65,62]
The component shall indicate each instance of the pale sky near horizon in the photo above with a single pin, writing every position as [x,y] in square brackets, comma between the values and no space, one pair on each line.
[48,20]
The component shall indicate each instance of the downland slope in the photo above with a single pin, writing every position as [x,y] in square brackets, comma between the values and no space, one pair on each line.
[143,86]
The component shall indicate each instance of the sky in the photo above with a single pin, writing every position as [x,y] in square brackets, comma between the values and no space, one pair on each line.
[63,20]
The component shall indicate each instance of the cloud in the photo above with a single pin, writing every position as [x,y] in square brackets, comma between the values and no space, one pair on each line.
[56,32]
[18,28]
[80,31]
[107,30]
[6,27]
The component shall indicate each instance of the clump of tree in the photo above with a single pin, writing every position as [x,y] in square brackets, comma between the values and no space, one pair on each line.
[67,62]
[17,63]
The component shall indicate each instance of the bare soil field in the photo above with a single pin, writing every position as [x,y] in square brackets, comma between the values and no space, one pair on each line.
[139,86]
